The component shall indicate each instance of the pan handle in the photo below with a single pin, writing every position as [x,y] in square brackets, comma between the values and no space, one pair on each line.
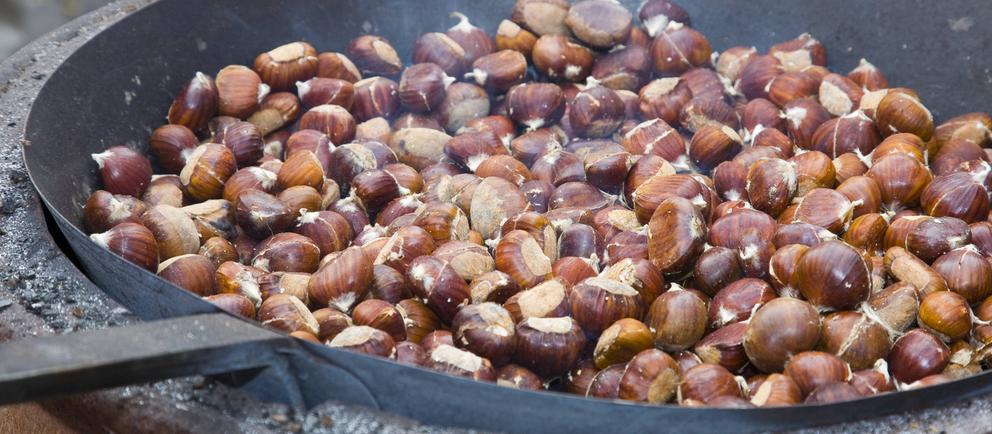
[93,359]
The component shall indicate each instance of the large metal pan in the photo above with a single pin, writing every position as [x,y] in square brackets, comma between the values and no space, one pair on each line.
[115,89]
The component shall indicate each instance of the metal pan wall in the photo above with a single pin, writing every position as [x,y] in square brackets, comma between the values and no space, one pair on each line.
[116,89]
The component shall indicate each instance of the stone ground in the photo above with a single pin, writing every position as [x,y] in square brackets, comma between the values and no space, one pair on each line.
[42,293]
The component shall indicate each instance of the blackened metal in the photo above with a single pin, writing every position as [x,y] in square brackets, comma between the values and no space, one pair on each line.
[116,89]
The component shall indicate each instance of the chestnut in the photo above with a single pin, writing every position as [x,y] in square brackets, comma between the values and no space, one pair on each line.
[543,17]
[535,105]
[287,313]
[234,278]
[104,210]
[771,185]
[374,55]
[812,369]
[946,314]
[287,251]
[375,97]
[902,112]
[548,299]
[218,251]
[191,272]
[510,36]
[857,338]
[282,282]
[706,382]
[473,40]
[548,346]
[333,120]
[778,329]
[596,111]
[906,267]
[235,304]
[832,275]
[381,315]
[832,392]
[261,214]
[172,145]
[678,318]
[174,231]
[676,234]
[195,103]
[440,49]
[123,170]
[715,268]
[724,347]
[713,144]
[799,53]
[664,98]
[163,190]
[518,377]
[917,354]
[775,391]
[485,329]
[419,319]
[462,102]
[422,87]
[366,340]
[437,282]
[625,68]
[967,272]
[207,169]
[825,208]
[606,383]
[287,64]
[901,180]
[736,301]
[561,59]
[239,91]
[495,286]
[956,195]
[868,76]
[598,302]
[131,241]
[341,281]
[873,381]
[757,75]
[678,48]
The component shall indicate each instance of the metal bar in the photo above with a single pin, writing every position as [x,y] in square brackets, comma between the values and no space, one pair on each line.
[195,345]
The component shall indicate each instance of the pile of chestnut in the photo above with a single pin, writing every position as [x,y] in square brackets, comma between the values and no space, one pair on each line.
[583,203]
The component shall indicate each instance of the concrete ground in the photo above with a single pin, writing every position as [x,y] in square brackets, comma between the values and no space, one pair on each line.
[42,293]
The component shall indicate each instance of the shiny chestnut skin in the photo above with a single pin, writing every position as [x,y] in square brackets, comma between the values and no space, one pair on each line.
[945,314]
[917,354]
[123,170]
[856,338]
[548,346]
[678,48]
[736,301]
[707,382]
[343,280]
[676,234]
[832,275]
[812,369]
[131,241]
[487,330]
[678,318]
[780,328]
[596,303]
[715,269]
[560,59]
[967,272]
